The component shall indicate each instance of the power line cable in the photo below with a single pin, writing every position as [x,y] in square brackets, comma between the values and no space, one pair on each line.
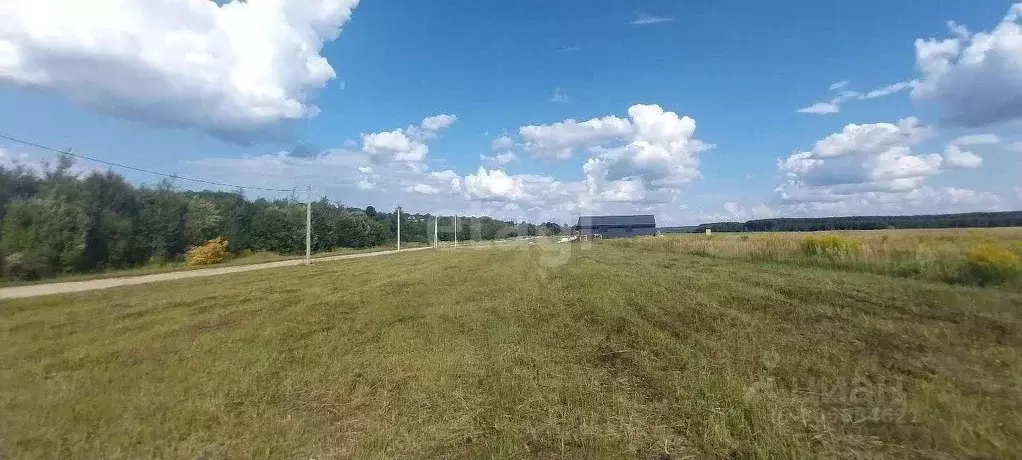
[148,171]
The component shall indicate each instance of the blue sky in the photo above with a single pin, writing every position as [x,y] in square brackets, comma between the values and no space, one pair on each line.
[225,92]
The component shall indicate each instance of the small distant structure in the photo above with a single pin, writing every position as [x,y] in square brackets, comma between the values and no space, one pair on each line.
[589,227]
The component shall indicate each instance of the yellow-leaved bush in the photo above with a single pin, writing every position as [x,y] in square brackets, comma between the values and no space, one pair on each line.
[991,264]
[213,252]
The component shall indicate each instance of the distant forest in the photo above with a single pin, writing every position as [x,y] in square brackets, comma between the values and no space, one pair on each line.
[57,222]
[971,219]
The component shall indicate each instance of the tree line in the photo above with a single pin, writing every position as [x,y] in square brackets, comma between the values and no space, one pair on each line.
[56,222]
[962,220]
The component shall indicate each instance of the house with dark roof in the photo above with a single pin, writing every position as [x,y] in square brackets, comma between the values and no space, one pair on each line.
[616,226]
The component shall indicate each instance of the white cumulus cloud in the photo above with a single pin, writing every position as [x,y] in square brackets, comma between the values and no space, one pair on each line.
[642,159]
[956,157]
[561,139]
[958,153]
[405,145]
[423,189]
[975,78]
[394,146]
[494,185]
[366,184]
[860,159]
[228,69]
[969,196]
[438,122]
[876,168]
[502,143]
[662,152]
[498,160]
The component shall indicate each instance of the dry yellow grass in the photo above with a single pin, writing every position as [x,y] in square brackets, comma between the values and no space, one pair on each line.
[966,256]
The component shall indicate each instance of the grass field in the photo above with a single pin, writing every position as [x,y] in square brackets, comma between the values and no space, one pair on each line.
[961,256]
[609,352]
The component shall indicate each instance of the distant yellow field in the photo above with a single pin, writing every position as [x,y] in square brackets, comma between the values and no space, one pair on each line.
[968,256]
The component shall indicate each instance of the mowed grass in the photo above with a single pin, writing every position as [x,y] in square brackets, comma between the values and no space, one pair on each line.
[523,352]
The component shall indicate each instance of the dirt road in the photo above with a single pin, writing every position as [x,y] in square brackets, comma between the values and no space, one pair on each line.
[79,286]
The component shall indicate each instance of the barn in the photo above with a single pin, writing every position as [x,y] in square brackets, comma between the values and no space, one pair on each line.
[615,226]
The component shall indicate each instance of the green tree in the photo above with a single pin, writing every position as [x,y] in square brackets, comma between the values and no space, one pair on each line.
[109,203]
[43,237]
[203,220]
[159,229]
[279,227]
[357,230]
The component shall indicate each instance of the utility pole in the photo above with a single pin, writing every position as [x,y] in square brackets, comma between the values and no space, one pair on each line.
[436,241]
[455,230]
[399,228]
[308,227]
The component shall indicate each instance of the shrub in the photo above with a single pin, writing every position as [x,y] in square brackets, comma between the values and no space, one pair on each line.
[830,246]
[213,252]
[25,266]
[990,264]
